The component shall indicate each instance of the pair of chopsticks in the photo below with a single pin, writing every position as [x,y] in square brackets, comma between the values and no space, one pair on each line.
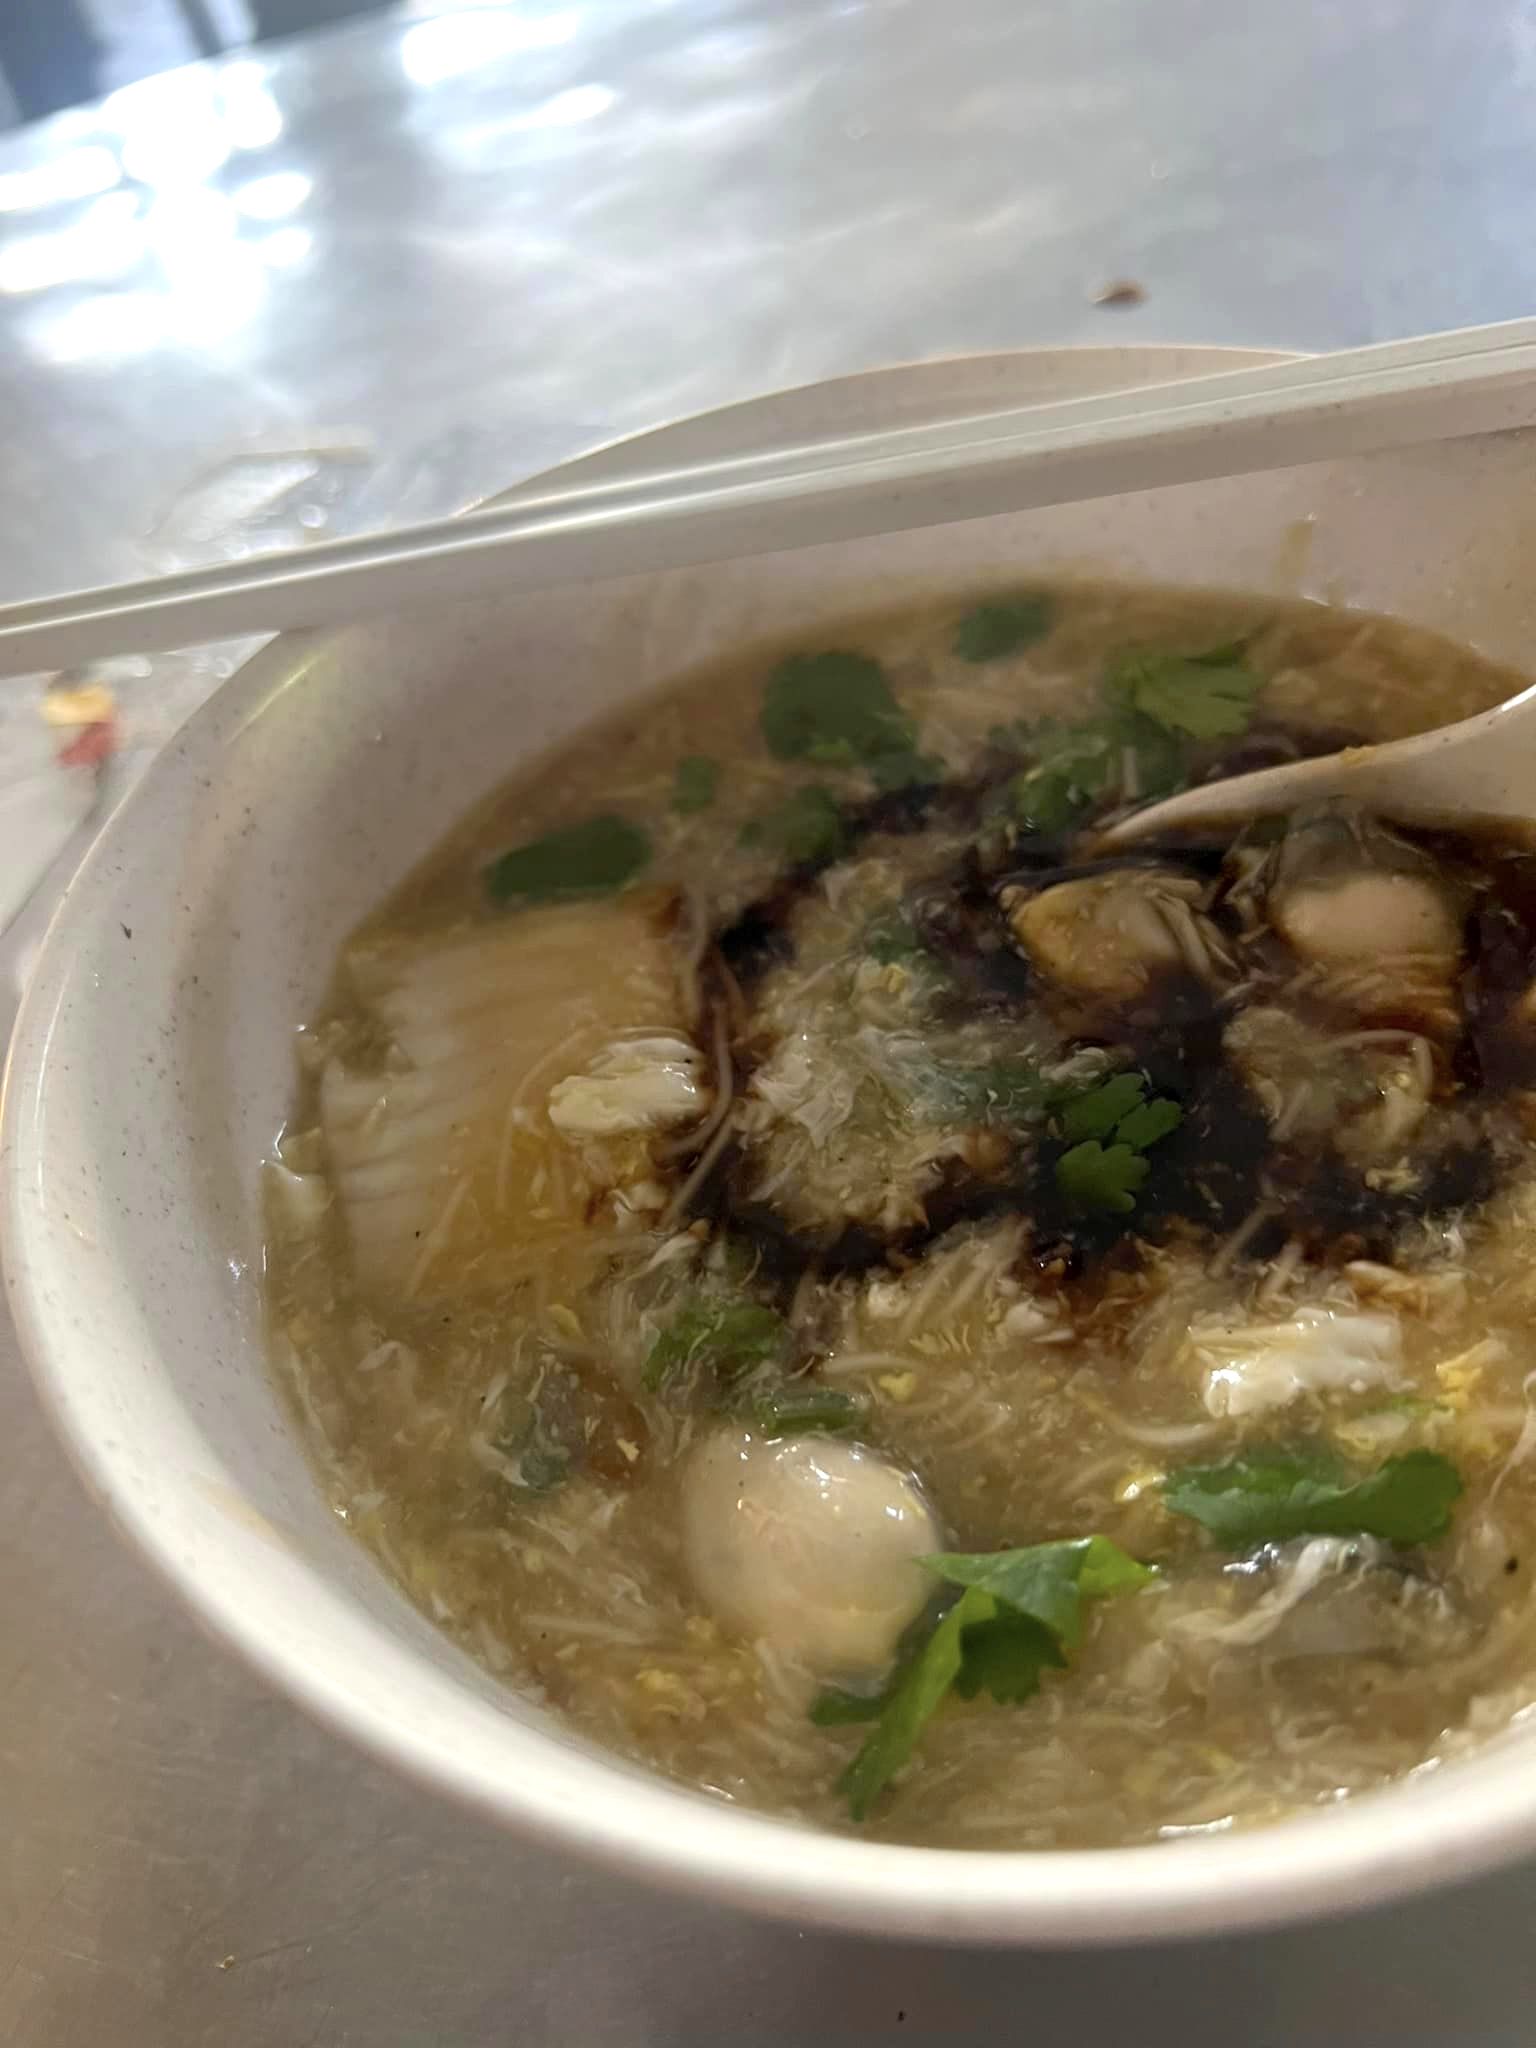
[1236,422]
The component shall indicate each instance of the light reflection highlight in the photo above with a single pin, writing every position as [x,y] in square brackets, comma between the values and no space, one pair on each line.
[176,153]
[448,45]
[108,325]
[112,325]
[252,118]
[565,109]
[112,209]
[231,288]
[274,196]
[77,174]
[179,127]
[106,241]
[285,248]
[185,227]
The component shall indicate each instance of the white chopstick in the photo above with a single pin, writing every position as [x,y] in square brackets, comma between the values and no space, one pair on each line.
[1355,402]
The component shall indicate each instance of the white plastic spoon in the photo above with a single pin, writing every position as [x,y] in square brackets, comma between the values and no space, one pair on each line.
[1481,770]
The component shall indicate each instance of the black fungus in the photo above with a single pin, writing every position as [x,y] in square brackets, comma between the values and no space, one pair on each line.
[1220,1166]
[757,938]
[958,921]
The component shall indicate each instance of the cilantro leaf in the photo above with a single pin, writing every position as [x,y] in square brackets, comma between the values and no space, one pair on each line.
[1093,1175]
[1049,800]
[1046,1581]
[836,708]
[1106,1569]
[1072,766]
[1018,1614]
[727,1338]
[835,1708]
[1157,759]
[804,1407]
[1268,1499]
[808,825]
[905,770]
[1103,1177]
[912,1702]
[1095,1113]
[1043,801]
[1002,625]
[1148,1122]
[1004,1658]
[577,860]
[1125,755]
[1208,696]
[694,783]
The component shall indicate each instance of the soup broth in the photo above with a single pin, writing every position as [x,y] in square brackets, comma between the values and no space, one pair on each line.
[874,1311]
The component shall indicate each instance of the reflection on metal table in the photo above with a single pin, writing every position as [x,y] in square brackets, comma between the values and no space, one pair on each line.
[369,278]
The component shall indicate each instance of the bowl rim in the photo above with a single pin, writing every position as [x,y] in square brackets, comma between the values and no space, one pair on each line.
[1379,1846]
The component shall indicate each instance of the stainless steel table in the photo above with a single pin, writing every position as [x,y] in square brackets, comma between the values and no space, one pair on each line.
[372,276]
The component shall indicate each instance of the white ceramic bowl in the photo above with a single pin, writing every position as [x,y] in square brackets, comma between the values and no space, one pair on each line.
[152,1066]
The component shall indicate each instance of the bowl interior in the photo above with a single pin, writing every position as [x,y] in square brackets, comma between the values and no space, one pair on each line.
[153,1065]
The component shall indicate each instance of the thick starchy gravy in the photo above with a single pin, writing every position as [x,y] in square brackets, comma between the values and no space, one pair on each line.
[882,1315]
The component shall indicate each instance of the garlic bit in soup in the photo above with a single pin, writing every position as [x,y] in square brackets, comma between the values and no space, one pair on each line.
[867,1308]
